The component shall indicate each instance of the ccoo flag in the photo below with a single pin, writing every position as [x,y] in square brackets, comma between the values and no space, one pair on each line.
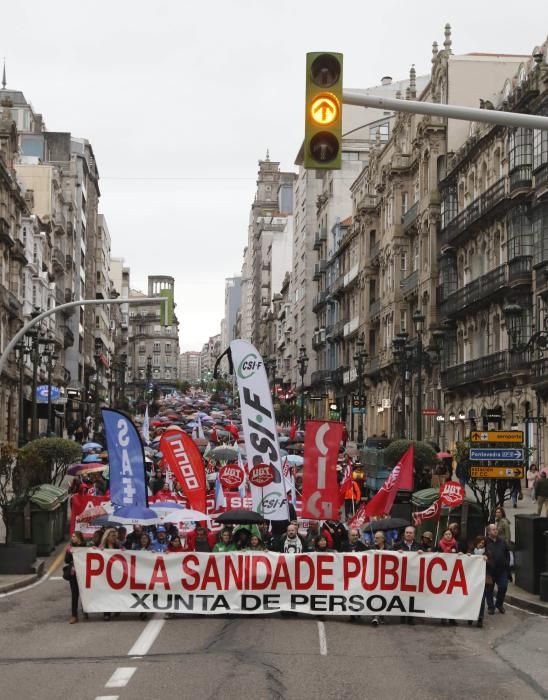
[185,461]
[126,460]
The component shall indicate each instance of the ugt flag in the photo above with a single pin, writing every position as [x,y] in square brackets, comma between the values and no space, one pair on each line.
[126,460]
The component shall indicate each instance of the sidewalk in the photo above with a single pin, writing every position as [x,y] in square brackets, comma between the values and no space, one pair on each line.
[41,567]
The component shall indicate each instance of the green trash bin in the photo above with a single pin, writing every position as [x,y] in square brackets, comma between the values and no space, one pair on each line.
[47,517]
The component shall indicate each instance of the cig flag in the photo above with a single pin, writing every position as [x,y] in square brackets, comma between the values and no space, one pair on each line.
[320,487]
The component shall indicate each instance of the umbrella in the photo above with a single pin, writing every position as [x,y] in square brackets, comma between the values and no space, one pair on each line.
[443,455]
[91,458]
[295,460]
[77,469]
[133,515]
[239,517]
[173,512]
[91,446]
[387,524]
[224,453]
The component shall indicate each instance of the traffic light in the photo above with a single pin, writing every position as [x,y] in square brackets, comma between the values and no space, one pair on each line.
[166,308]
[323,117]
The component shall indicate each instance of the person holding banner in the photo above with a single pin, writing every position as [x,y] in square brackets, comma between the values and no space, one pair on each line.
[498,567]
[69,573]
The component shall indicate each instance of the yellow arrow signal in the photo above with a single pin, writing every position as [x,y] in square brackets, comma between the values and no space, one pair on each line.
[324,110]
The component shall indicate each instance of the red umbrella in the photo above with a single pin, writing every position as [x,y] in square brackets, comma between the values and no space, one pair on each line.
[443,455]
[156,423]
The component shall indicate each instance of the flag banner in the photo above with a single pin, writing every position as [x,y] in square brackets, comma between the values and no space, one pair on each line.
[433,512]
[383,500]
[374,583]
[146,428]
[126,460]
[259,425]
[84,509]
[346,481]
[451,494]
[185,461]
[320,486]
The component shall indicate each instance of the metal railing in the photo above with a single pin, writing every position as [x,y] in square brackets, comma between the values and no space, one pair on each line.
[410,216]
[477,290]
[521,177]
[410,282]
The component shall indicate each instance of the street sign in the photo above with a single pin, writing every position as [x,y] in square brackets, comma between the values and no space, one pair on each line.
[429,411]
[42,392]
[503,455]
[358,410]
[496,436]
[484,472]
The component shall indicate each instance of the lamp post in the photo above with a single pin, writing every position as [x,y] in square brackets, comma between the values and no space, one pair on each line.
[538,343]
[360,358]
[51,363]
[21,350]
[399,345]
[123,368]
[302,362]
[97,358]
[418,321]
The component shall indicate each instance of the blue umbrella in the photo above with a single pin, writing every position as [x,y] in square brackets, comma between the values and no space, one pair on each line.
[91,446]
[133,515]
[92,458]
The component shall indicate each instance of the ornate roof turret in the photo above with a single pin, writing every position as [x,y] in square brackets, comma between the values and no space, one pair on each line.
[447,43]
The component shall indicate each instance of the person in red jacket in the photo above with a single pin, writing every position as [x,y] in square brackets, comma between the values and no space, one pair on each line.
[352,497]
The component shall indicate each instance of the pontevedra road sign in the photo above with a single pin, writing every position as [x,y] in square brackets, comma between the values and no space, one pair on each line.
[484,472]
[499,454]
[496,436]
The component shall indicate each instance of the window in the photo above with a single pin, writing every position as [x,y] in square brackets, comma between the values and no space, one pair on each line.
[156,360]
[540,148]
[403,262]
[540,234]
[403,321]
[157,347]
[404,202]
[520,146]
[350,155]
[520,239]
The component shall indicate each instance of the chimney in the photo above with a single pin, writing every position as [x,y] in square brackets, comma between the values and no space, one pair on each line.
[387,80]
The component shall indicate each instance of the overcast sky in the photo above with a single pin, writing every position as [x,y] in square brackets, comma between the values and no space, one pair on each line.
[180,99]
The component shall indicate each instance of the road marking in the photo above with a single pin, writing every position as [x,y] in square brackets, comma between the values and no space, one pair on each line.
[55,564]
[147,637]
[323,638]
[107,697]
[56,578]
[120,677]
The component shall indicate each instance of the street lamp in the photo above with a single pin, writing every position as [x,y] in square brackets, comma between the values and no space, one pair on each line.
[418,321]
[52,358]
[360,358]
[302,362]
[97,358]
[22,349]
[399,345]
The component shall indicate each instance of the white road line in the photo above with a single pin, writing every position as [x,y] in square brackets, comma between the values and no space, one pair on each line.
[107,697]
[527,612]
[147,637]
[323,638]
[120,677]
[56,578]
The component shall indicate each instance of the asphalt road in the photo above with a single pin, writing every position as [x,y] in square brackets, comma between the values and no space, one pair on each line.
[205,658]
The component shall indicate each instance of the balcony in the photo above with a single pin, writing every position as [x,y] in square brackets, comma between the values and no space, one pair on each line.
[521,178]
[317,274]
[351,326]
[318,338]
[337,285]
[374,250]
[323,265]
[476,292]
[5,232]
[338,329]
[68,338]
[351,275]
[350,376]
[410,283]
[375,307]
[58,260]
[373,367]
[319,300]
[465,221]
[409,219]
[484,368]
[10,302]
[368,202]
[541,181]
[320,376]
[520,270]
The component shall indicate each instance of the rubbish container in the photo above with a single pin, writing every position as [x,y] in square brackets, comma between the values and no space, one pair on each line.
[47,517]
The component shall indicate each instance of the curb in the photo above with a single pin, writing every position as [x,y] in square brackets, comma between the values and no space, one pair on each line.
[528,605]
[26,580]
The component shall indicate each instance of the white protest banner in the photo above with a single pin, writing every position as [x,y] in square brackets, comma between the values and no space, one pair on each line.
[260,431]
[376,582]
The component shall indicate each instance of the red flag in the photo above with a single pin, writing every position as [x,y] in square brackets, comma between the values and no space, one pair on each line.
[359,518]
[346,480]
[293,431]
[452,494]
[233,430]
[82,502]
[185,461]
[382,501]
[433,512]
[320,487]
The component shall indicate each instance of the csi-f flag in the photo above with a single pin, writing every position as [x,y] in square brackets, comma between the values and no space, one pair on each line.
[126,460]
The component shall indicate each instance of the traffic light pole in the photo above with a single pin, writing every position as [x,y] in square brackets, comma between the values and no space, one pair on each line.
[70,305]
[490,116]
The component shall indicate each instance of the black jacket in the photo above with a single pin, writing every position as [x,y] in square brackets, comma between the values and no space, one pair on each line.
[498,556]
[405,548]
[358,546]
[541,488]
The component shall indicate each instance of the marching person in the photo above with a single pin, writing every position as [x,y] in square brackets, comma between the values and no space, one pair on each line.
[407,544]
[353,544]
[498,567]
[541,493]
[110,541]
[379,540]
[503,524]
[352,497]
[225,543]
[292,542]
[77,540]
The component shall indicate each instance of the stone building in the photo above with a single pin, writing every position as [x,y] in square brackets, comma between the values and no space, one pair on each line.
[153,349]
[397,211]
[190,367]
[493,256]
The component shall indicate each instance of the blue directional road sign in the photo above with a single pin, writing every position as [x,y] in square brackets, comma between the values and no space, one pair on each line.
[509,454]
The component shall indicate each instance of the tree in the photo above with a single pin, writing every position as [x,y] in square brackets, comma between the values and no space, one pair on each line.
[52,457]
[16,479]
[425,458]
